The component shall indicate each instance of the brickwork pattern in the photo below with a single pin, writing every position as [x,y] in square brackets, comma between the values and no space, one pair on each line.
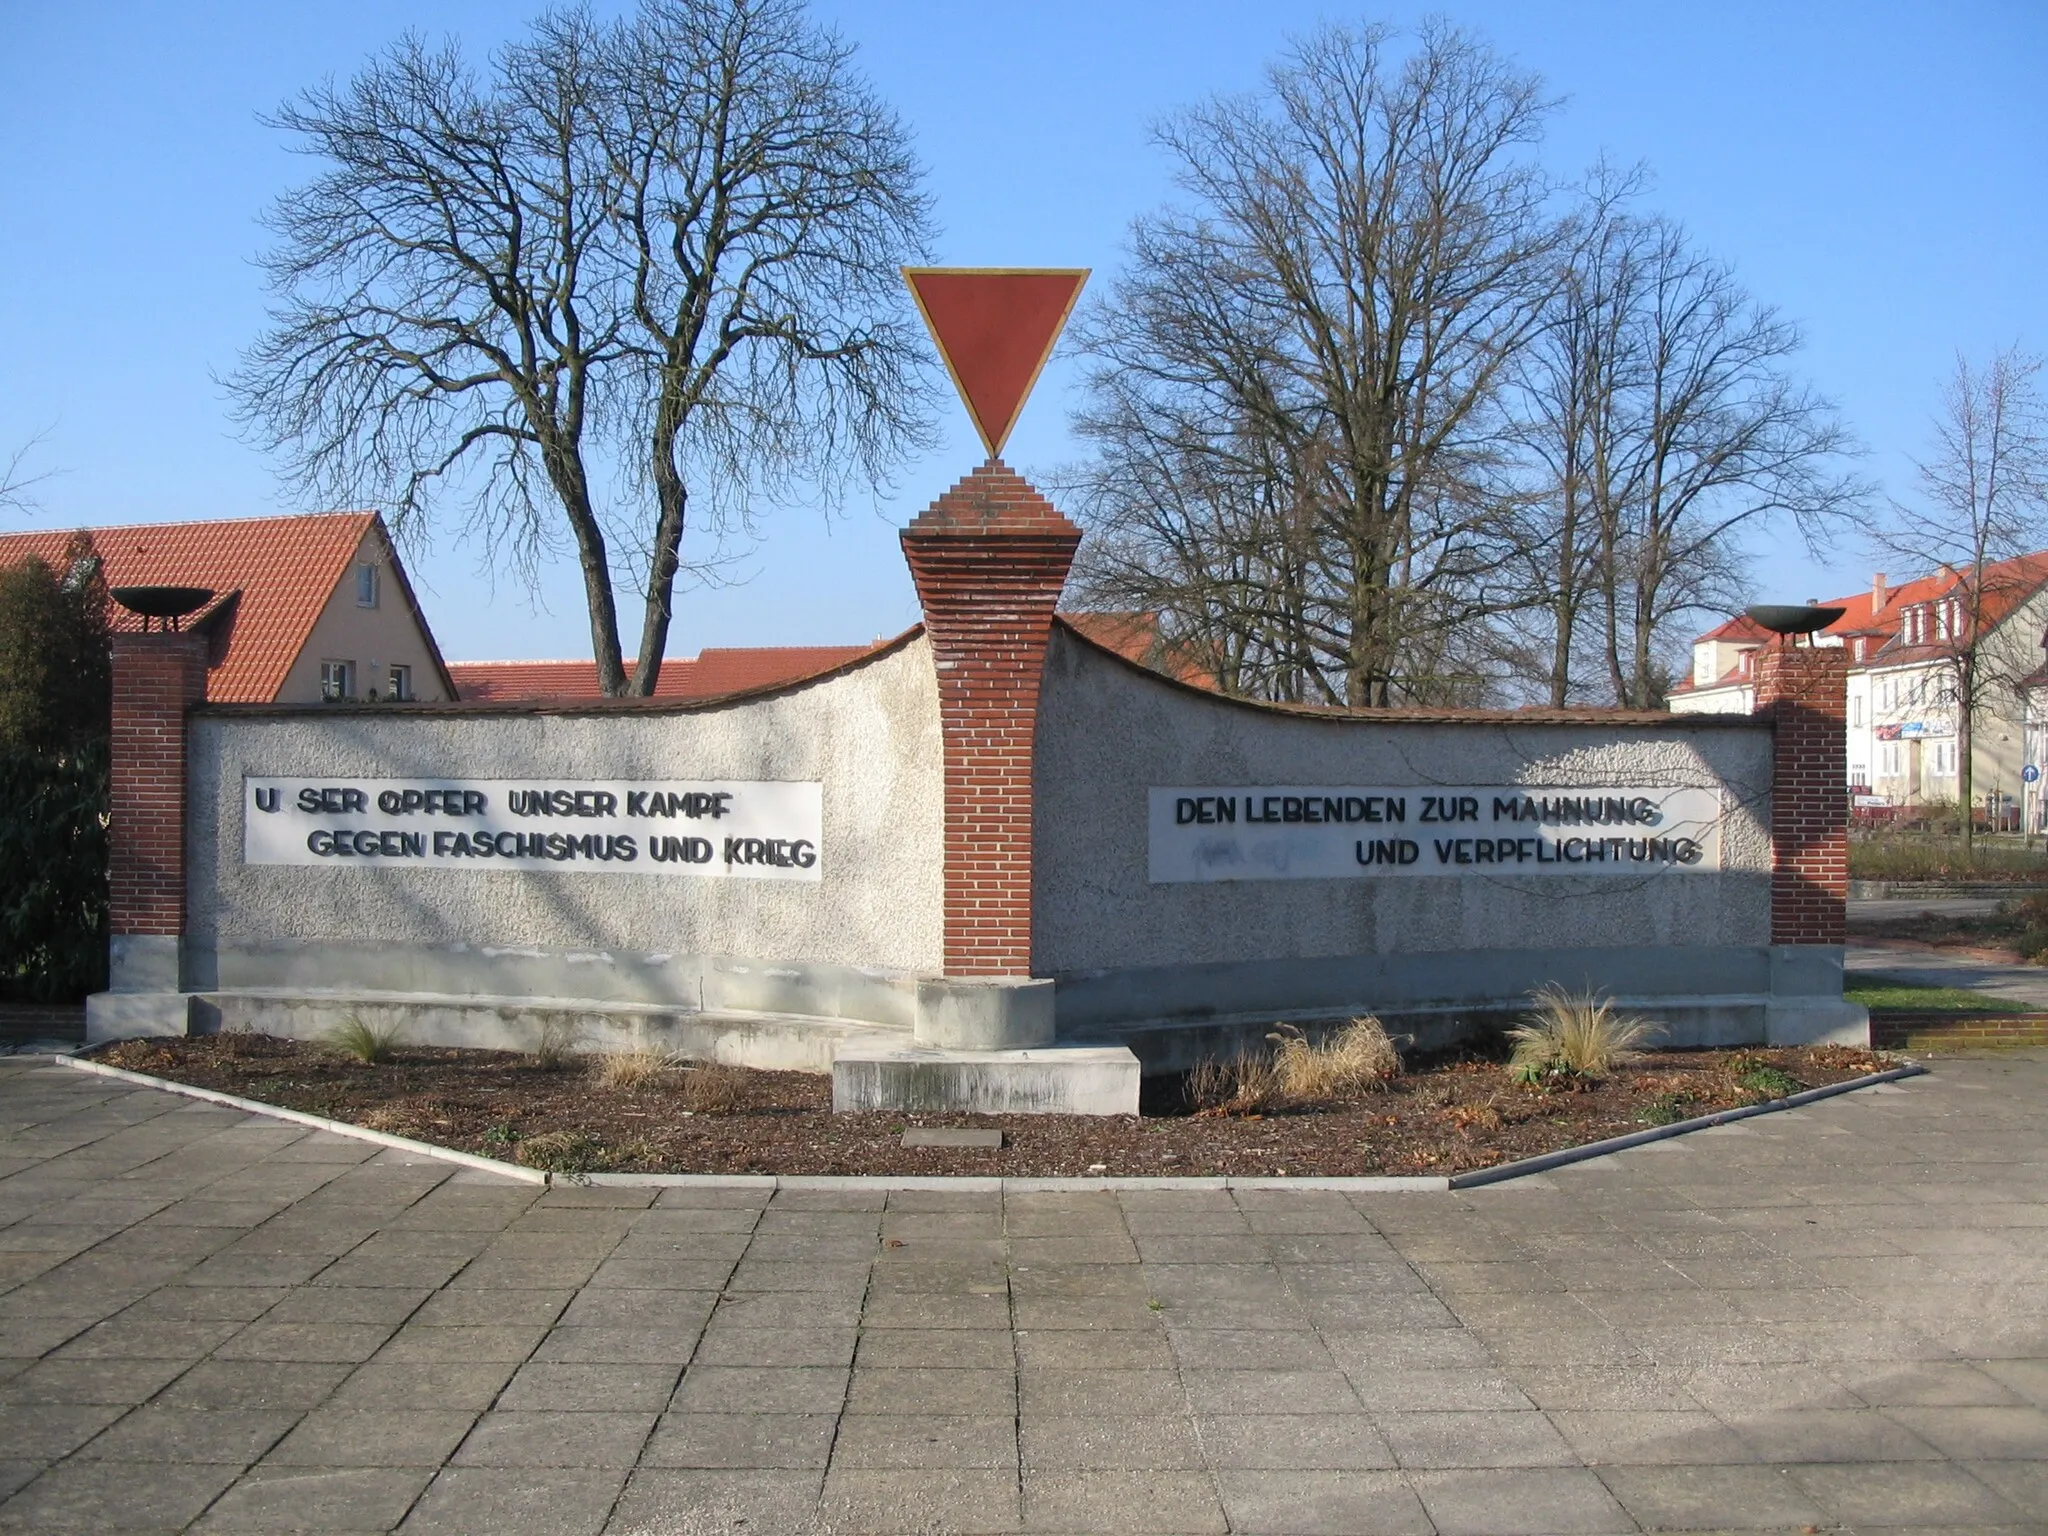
[1805,691]
[157,678]
[989,558]
[1931,1031]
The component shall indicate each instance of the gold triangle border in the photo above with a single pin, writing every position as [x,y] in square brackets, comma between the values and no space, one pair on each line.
[910,274]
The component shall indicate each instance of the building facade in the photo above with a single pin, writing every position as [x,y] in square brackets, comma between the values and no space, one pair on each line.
[304,610]
[1908,648]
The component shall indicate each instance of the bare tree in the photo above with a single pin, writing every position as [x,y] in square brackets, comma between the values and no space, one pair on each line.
[642,269]
[1570,380]
[1367,247]
[1983,502]
[1665,423]
[17,480]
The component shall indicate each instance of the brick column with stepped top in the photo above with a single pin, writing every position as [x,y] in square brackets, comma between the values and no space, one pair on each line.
[990,558]
[1804,692]
[157,679]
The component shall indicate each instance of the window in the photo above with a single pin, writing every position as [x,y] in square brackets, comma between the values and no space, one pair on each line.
[1859,775]
[401,684]
[366,585]
[1888,760]
[1856,710]
[337,680]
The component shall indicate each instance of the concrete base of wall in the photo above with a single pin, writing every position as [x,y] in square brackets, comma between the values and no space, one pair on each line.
[1175,1045]
[1817,1021]
[770,1041]
[129,1015]
[1699,997]
[872,1068]
[1072,1080]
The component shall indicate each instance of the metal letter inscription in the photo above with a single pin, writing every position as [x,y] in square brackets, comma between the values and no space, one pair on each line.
[722,829]
[1316,832]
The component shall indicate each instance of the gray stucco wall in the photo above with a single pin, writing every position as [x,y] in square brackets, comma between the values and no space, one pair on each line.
[870,735]
[1109,731]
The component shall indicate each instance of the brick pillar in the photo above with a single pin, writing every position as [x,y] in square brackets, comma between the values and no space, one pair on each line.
[989,558]
[157,678]
[1805,690]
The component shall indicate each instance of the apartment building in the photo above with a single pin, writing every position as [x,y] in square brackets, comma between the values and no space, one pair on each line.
[1906,645]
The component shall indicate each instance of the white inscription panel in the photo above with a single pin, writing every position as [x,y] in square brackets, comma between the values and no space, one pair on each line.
[1300,832]
[724,829]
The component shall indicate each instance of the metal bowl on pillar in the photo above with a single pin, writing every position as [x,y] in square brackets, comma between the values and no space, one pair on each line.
[167,605]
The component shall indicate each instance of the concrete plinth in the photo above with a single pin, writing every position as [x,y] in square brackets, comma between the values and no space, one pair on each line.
[1062,1080]
[1806,1004]
[126,1015]
[994,1014]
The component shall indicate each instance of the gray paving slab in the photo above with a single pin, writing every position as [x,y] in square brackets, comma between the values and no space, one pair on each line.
[1834,1318]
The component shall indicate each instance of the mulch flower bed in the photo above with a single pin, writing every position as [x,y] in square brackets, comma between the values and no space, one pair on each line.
[1441,1117]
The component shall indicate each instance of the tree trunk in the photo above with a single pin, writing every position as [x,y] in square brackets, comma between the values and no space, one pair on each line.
[672,497]
[1966,783]
[565,471]
[1566,613]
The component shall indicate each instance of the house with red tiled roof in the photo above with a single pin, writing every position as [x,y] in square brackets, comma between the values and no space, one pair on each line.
[303,609]
[1903,644]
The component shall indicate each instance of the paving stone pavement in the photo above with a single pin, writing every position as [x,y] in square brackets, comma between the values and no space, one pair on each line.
[1835,1318]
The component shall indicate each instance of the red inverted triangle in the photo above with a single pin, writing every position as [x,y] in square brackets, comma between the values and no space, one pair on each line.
[995,327]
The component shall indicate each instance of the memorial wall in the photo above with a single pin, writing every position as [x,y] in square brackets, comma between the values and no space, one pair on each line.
[990,865]
[1199,858]
[634,853]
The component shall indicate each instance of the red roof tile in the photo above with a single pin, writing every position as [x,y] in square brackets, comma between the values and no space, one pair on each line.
[712,673]
[1134,635]
[720,670]
[284,568]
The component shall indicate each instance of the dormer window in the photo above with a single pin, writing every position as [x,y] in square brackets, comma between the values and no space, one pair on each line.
[1941,629]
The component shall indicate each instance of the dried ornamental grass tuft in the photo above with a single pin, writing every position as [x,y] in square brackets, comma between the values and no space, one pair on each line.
[1247,1084]
[370,1044]
[714,1088]
[632,1069]
[563,1152]
[1574,1035]
[1359,1057]
[556,1043]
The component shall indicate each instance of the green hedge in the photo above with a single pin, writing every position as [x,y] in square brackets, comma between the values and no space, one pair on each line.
[53,874]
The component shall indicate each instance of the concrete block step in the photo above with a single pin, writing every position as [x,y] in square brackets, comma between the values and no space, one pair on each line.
[1048,1080]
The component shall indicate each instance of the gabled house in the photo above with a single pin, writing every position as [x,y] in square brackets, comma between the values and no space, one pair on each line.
[1903,643]
[303,608]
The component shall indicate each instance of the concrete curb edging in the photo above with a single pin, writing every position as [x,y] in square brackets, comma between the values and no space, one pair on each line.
[1548,1160]
[313,1122]
[965,1183]
[999,1183]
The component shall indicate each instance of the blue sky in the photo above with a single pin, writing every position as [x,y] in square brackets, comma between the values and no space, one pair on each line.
[1875,170]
